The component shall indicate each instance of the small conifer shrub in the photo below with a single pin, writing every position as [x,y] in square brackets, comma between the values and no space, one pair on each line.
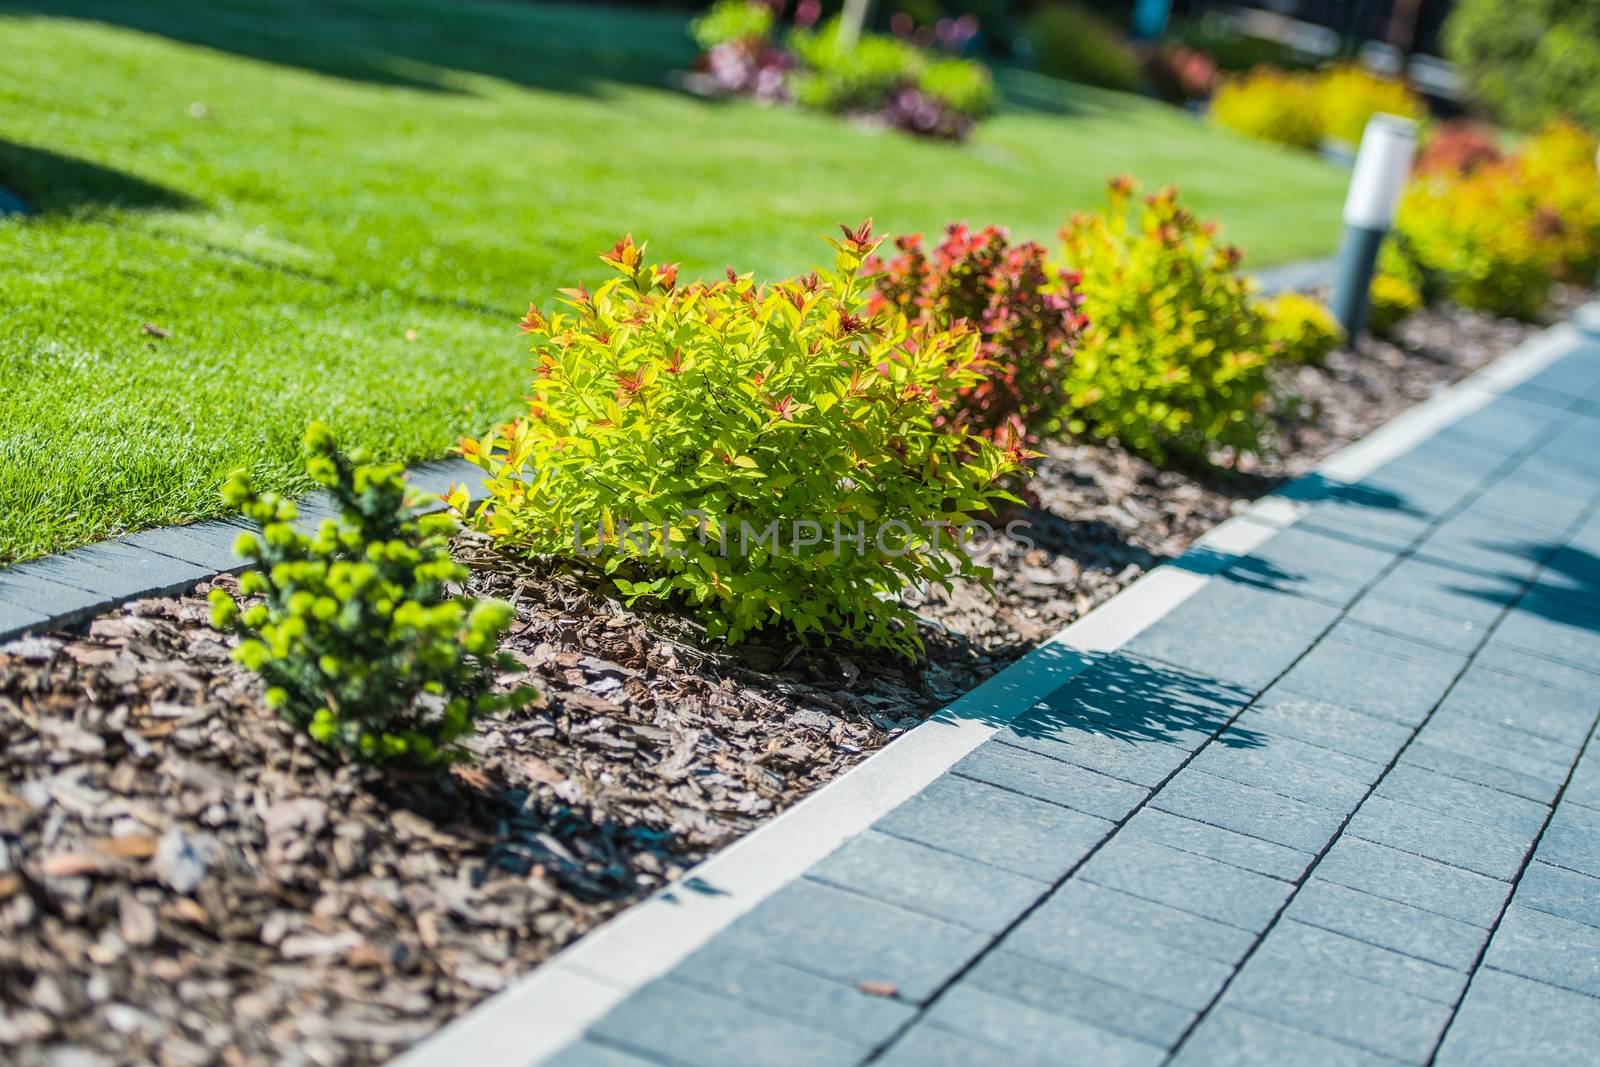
[353,630]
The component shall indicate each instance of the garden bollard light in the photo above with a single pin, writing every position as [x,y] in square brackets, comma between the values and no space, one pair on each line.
[1382,164]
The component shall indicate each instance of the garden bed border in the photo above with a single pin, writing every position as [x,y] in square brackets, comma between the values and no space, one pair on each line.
[551,1007]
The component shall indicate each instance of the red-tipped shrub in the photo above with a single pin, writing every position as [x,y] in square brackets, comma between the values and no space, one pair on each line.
[1179,73]
[1026,314]
[1458,147]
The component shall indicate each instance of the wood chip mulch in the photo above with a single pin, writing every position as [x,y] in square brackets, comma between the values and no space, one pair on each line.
[184,880]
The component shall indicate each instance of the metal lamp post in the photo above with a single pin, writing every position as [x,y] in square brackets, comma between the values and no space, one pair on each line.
[1384,160]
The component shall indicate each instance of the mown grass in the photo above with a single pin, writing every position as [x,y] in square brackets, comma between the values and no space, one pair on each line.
[337,208]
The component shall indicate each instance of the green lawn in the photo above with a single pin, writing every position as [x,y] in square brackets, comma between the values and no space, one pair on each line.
[337,209]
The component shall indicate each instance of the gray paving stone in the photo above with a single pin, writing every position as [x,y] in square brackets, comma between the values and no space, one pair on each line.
[1322,565]
[853,939]
[13,618]
[1288,767]
[1421,487]
[1572,840]
[1046,778]
[1554,757]
[1248,810]
[1444,631]
[1231,1038]
[1175,927]
[1326,950]
[1410,879]
[1540,495]
[1571,377]
[684,1025]
[1064,937]
[1339,1006]
[1554,628]
[820,1003]
[1445,590]
[1184,880]
[1480,804]
[20,582]
[1561,714]
[1466,437]
[1144,763]
[1077,996]
[1127,718]
[1234,632]
[1493,851]
[919,878]
[932,1046]
[1213,842]
[1326,725]
[589,1054]
[1584,785]
[1490,542]
[1031,1032]
[1365,509]
[1541,788]
[206,545]
[1497,746]
[116,571]
[1559,891]
[1147,700]
[998,827]
[1505,424]
[1461,464]
[1562,401]
[1539,668]
[1397,681]
[1548,948]
[1509,1021]
[22,587]
[1388,924]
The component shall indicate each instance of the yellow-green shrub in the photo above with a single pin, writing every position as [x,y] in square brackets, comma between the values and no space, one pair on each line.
[1348,95]
[1174,358]
[1302,328]
[680,438]
[1482,239]
[1559,162]
[1393,298]
[1270,105]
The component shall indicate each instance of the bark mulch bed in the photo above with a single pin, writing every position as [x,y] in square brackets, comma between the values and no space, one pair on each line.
[186,881]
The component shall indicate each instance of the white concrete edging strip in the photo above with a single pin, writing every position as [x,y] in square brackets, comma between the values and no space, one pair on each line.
[550,1008]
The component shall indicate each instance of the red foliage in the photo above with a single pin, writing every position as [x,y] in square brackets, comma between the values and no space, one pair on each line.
[1180,73]
[1458,147]
[1026,315]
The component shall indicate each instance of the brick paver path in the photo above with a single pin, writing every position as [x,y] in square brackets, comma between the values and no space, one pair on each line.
[1342,806]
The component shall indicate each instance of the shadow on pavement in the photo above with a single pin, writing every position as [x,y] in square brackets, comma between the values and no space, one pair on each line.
[1134,700]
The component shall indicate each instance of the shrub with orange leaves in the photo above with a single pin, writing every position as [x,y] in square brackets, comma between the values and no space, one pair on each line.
[763,454]
[1025,312]
[1459,146]
[1175,356]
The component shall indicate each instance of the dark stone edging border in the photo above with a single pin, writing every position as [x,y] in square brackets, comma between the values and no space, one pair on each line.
[64,590]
